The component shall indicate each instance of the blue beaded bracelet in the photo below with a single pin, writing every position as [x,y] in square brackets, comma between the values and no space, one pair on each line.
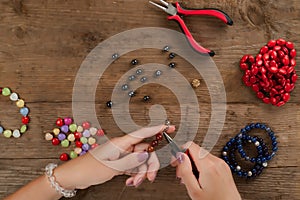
[237,144]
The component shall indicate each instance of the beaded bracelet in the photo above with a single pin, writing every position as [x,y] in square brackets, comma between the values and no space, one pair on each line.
[49,173]
[236,145]
[23,110]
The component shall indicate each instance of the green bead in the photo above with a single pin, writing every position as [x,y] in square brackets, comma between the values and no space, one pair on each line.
[23,128]
[7,133]
[73,127]
[6,92]
[65,143]
[83,140]
[73,155]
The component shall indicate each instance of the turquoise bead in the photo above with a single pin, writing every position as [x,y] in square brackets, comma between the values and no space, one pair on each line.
[24,111]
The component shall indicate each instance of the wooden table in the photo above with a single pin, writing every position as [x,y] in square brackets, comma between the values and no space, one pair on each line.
[43,43]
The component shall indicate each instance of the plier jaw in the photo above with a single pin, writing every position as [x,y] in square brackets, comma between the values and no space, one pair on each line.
[170,9]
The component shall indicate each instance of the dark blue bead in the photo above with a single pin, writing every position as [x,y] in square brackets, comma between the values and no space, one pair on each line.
[263,126]
[243,155]
[275,149]
[248,128]
[231,167]
[239,146]
[252,125]
[268,129]
[232,140]
[253,139]
[258,160]
[244,137]
[273,154]
[253,171]
[273,139]
[248,137]
[257,167]
[253,160]
[263,160]
[241,151]
[239,141]
[245,174]
[269,158]
[259,148]
[260,152]
[225,158]
[243,131]
[240,174]
[271,134]
[274,143]
[247,158]
[257,125]
[228,144]
[225,148]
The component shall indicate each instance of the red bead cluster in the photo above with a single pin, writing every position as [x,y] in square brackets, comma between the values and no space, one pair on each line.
[154,143]
[271,74]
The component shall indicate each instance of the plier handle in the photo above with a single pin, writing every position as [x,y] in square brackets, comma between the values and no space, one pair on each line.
[177,11]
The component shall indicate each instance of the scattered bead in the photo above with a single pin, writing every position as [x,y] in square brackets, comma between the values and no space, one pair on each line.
[166,49]
[131,94]
[196,83]
[100,132]
[143,79]
[146,98]
[172,65]
[134,62]
[172,55]
[109,104]
[125,87]
[158,73]
[139,71]
[48,136]
[131,78]
[115,56]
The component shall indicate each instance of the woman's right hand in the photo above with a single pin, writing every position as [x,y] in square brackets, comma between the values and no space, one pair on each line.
[215,181]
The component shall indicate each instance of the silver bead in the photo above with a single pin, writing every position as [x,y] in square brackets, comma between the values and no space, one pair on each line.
[131,93]
[166,48]
[257,143]
[139,71]
[125,87]
[131,78]
[265,164]
[115,56]
[158,73]
[143,79]
[224,153]
[249,173]
[238,168]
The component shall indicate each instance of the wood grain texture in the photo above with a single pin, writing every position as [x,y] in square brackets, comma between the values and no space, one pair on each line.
[43,43]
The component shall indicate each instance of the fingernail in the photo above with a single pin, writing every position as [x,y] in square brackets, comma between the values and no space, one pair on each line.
[141,157]
[180,157]
[130,184]
[139,182]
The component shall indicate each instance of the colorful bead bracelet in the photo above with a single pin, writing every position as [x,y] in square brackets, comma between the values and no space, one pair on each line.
[68,132]
[237,144]
[24,111]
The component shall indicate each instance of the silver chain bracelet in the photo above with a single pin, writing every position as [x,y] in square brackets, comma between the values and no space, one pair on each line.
[49,173]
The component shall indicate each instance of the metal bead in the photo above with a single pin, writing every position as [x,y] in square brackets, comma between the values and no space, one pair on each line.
[131,78]
[172,65]
[196,83]
[257,143]
[172,55]
[139,71]
[109,104]
[125,87]
[224,153]
[146,98]
[158,73]
[143,79]
[265,164]
[115,56]
[131,94]
[238,168]
[134,62]
[166,49]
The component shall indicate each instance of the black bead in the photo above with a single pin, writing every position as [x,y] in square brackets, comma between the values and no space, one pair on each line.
[166,49]
[146,98]
[134,62]
[109,104]
[172,65]
[172,55]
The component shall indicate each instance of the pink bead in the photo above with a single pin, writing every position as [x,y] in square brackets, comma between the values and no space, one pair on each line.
[68,120]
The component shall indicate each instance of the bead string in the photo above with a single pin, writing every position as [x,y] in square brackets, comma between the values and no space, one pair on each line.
[158,137]
[24,111]
[68,132]
[271,74]
[237,144]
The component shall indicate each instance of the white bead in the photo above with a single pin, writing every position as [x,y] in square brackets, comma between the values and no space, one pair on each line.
[48,136]
[224,153]
[14,96]
[238,168]
[91,141]
[249,173]
[79,129]
[16,133]
[93,131]
[77,150]
[249,141]
[257,143]
[265,164]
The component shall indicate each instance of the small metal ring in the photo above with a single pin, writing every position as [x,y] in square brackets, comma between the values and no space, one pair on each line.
[167,123]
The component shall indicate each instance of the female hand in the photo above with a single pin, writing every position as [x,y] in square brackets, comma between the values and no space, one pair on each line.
[215,181]
[121,155]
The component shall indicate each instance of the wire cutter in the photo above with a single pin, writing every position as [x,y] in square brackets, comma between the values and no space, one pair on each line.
[175,149]
[178,11]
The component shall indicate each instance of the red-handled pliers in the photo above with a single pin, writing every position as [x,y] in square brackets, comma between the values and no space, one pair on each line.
[175,13]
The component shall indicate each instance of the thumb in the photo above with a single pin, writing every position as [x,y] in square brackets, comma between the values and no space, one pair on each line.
[128,162]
